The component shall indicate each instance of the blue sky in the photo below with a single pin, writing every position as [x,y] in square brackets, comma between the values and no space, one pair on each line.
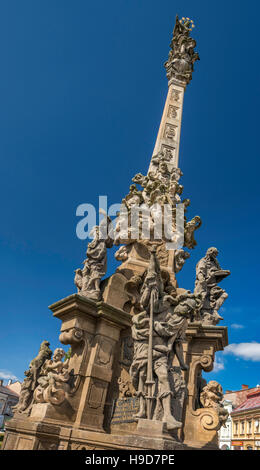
[82,89]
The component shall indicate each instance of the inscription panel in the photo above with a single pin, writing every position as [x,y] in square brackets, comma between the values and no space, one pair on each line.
[124,410]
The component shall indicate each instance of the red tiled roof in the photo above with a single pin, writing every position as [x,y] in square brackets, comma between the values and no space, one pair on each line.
[252,401]
[239,396]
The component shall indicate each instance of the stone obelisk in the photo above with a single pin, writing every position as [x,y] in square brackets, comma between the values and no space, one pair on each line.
[179,68]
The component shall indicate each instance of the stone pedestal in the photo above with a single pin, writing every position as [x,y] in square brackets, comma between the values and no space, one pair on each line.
[26,434]
[201,424]
[93,330]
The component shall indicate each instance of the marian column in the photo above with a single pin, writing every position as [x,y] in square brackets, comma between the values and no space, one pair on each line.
[132,378]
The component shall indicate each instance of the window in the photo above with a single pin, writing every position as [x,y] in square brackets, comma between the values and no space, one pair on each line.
[242,427]
[249,427]
[236,428]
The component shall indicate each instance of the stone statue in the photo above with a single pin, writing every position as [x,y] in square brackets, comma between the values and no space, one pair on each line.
[53,383]
[26,393]
[212,397]
[88,279]
[180,257]
[208,275]
[31,378]
[171,316]
[179,65]
[189,229]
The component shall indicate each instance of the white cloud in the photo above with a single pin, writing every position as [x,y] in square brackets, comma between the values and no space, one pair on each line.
[235,309]
[247,351]
[6,374]
[237,326]
[218,364]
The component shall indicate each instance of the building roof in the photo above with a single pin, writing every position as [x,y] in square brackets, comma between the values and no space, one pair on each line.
[8,391]
[237,397]
[252,401]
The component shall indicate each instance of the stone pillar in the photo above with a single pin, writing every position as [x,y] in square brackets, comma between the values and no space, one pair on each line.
[93,330]
[98,326]
[201,424]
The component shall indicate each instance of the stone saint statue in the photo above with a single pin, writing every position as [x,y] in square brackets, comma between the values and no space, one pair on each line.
[88,279]
[169,324]
[208,275]
[31,378]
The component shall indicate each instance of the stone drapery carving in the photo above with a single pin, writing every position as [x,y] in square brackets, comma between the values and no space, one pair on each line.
[212,397]
[166,334]
[179,66]
[31,378]
[208,275]
[88,279]
[53,383]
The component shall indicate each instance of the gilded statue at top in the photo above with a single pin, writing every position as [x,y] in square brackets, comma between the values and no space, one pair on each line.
[179,65]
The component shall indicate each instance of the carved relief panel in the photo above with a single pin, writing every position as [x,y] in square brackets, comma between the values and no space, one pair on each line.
[170,131]
[173,112]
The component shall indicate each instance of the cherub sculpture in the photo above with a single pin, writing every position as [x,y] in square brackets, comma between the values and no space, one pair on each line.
[53,384]
[212,397]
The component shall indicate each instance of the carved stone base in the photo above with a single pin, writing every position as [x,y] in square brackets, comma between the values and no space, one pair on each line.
[23,434]
[152,427]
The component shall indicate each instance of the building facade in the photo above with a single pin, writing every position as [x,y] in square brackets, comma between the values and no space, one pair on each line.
[235,435]
[9,397]
[246,423]
[225,432]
